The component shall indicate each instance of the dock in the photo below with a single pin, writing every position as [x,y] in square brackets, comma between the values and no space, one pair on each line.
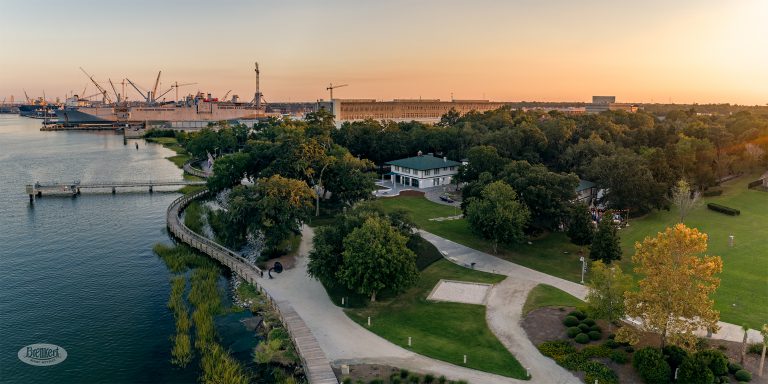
[74,188]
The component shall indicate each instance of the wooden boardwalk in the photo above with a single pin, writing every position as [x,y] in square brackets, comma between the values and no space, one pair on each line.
[74,188]
[316,366]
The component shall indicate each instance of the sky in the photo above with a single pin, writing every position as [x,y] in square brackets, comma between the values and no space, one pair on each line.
[681,51]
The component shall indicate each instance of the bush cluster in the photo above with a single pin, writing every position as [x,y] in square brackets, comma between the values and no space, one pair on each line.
[619,357]
[570,321]
[582,338]
[650,365]
[743,375]
[556,348]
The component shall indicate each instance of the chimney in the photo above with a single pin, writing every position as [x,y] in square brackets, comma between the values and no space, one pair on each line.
[445,159]
[419,153]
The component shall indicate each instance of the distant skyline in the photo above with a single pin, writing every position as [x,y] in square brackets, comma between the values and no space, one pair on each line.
[686,51]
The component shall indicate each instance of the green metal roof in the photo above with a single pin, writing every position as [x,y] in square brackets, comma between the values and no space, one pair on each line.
[584,184]
[423,162]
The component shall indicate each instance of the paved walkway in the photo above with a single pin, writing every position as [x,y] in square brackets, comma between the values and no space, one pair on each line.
[346,342]
[464,256]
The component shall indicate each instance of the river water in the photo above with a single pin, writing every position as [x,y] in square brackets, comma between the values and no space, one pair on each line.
[80,272]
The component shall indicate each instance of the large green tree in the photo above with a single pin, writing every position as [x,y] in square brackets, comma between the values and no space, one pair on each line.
[547,194]
[580,229]
[228,171]
[498,215]
[376,258]
[606,246]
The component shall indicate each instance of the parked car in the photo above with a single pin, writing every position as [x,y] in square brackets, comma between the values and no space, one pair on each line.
[446,198]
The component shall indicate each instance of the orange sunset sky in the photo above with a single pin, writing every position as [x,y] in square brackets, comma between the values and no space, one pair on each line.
[562,50]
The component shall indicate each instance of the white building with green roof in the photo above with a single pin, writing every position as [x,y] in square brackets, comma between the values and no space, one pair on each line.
[423,171]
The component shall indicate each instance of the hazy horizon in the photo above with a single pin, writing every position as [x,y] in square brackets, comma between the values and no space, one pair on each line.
[684,52]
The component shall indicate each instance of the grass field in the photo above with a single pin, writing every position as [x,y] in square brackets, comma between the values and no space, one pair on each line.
[544,295]
[743,293]
[445,331]
[745,266]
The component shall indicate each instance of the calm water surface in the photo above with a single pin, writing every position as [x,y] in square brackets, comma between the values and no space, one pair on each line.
[80,272]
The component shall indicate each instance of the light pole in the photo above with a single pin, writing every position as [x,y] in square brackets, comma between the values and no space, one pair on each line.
[583,267]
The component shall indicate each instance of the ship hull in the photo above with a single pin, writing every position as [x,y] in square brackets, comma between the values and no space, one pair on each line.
[202,112]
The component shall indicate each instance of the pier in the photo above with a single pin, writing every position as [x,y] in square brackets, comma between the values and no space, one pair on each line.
[74,188]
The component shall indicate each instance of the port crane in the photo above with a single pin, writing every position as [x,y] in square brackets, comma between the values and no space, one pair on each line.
[331,87]
[102,90]
[225,95]
[138,89]
[153,97]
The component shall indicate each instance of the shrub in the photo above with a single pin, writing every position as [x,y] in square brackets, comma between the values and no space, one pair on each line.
[347,381]
[429,378]
[413,378]
[584,328]
[572,331]
[570,321]
[376,381]
[755,348]
[596,351]
[572,361]
[612,336]
[612,344]
[650,365]
[596,328]
[582,338]
[674,355]
[723,209]
[395,380]
[578,314]
[594,335]
[599,372]
[404,373]
[715,361]
[589,322]
[743,375]
[620,357]
[556,348]
[694,369]
[723,380]
[733,367]
[629,349]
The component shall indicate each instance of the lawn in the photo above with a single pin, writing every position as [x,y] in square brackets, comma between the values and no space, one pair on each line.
[444,331]
[743,292]
[552,254]
[544,295]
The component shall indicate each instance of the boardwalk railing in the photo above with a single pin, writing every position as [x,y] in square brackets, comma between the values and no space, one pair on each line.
[188,168]
[313,359]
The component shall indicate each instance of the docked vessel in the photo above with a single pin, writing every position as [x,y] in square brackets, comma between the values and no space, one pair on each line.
[192,111]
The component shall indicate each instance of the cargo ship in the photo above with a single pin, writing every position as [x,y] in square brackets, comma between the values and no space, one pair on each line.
[192,110]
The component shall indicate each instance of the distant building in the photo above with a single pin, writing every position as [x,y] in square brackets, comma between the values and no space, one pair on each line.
[586,192]
[608,103]
[423,171]
[426,111]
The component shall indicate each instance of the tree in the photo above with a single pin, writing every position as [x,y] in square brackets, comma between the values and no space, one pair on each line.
[481,159]
[349,179]
[580,230]
[281,206]
[498,215]
[628,182]
[376,258]
[228,171]
[673,298]
[605,246]
[684,199]
[547,194]
[605,297]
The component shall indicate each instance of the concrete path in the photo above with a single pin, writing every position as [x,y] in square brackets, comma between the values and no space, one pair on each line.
[345,341]
[463,255]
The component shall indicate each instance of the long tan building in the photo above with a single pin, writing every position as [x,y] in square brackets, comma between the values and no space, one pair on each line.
[422,110]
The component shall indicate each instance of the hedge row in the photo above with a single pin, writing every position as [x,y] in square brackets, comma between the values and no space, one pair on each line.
[755,183]
[723,209]
[712,192]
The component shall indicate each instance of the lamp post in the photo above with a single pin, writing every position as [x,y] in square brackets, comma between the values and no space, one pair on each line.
[583,267]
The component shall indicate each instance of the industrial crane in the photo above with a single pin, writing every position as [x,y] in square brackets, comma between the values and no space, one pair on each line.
[102,90]
[225,95]
[331,87]
[143,93]
[154,90]
[117,95]
[27,97]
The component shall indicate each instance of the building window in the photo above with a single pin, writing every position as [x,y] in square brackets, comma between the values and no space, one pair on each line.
[427,172]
